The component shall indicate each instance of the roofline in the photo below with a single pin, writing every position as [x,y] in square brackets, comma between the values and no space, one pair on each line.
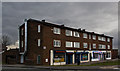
[62,26]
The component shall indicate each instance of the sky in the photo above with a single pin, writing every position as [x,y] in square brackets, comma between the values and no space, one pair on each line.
[99,17]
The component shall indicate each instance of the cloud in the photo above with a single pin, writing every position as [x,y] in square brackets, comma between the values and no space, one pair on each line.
[93,16]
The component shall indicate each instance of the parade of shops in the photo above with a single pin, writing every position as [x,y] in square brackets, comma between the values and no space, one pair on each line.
[43,43]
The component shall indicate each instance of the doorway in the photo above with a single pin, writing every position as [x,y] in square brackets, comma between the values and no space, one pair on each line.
[69,58]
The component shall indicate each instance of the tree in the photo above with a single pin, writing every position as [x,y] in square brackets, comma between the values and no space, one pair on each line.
[5,40]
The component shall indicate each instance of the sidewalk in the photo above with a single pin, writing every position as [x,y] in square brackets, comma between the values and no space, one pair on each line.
[74,67]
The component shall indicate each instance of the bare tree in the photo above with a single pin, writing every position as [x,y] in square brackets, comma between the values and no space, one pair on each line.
[5,40]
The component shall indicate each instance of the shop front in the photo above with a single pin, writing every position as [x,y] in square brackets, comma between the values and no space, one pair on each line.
[84,57]
[59,57]
[98,55]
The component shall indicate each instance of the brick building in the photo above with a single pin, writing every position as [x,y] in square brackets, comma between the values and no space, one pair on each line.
[45,43]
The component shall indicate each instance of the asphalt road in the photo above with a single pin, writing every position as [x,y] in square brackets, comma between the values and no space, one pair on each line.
[39,69]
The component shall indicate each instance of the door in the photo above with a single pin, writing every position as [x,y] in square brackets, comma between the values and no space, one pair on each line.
[69,59]
[38,59]
[22,59]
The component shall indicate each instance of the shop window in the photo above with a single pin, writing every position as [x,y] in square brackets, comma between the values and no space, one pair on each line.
[108,55]
[84,56]
[84,35]
[85,45]
[76,34]
[95,55]
[68,33]
[38,28]
[57,43]
[94,37]
[56,30]
[59,57]
[76,45]
[69,44]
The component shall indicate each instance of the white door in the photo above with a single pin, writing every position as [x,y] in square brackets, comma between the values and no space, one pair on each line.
[22,59]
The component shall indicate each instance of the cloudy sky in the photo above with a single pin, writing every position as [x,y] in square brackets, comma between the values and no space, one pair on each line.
[92,16]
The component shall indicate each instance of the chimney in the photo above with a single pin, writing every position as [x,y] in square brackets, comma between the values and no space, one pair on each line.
[43,20]
[79,29]
[83,30]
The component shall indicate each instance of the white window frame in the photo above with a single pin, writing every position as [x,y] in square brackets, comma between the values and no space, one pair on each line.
[56,30]
[85,45]
[78,44]
[99,38]
[70,33]
[78,35]
[57,43]
[94,46]
[22,31]
[103,38]
[89,36]
[94,37]
[22,44]
[102,46]
[68,42]
[108,46]
[108,39]
[38,42]
[38,28]
[84,35]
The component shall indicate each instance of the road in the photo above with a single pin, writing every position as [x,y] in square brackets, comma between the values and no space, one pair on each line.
[47,69]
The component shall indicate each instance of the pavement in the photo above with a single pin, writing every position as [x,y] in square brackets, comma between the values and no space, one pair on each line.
[21,66]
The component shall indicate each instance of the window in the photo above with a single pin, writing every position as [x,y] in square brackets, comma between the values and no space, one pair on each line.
[84,35]
[108,55]
[102,46]
[38,59]
[68,44]
[84,56]
[94,37]
[38,28]
[76,45]
[108,39]
[68,33]
[94,45]
[59,57]
[22,31]
[108,46]
[103,38]
[85,45]
[76,34]
[99,38]
[38,42]
[89,36]
[22,43]
[95,55]
[57,43]
[56,30]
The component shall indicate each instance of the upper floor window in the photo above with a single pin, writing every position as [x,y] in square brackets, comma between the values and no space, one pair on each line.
[57,43]
[108,46]
[69,44]
[102,46]
[85,45]
[38,42]
[108,39]
[103,38]
[38,28]
[94,37]
[89,36]
[56,30]
[22,31]
[99,38]
[76,34]
[76,45]
[94,45]
[22,43]
[84,35]
[68,33]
